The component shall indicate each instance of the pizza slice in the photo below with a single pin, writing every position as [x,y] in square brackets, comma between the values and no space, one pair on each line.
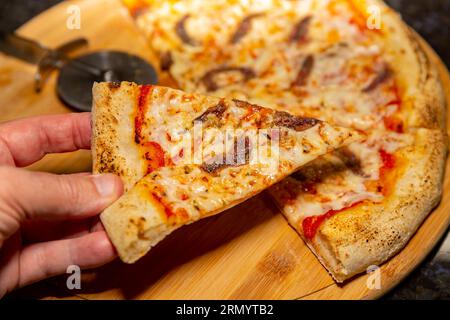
[186,156]
[359,205]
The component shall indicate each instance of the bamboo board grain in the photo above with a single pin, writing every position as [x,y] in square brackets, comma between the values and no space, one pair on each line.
[247,252]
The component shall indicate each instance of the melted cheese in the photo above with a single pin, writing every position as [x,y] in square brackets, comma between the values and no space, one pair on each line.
[199,193]
[341,187]
[346,59]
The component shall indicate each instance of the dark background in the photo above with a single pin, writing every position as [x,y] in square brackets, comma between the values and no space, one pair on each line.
[431,18]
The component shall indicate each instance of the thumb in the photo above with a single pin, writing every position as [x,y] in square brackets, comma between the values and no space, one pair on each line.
[38,195]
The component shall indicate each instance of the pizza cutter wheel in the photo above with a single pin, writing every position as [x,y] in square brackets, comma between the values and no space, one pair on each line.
[77,76]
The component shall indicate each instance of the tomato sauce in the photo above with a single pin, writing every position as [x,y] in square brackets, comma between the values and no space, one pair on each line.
[180,214]
[311,224]
[154,154]
[141,110]
[394,124]
[152,151]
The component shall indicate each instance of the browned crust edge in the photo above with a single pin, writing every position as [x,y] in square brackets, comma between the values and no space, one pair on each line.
[370,234]
[112,141]
[350,242]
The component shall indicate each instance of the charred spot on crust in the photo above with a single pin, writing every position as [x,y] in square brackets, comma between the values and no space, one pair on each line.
[244,27]
[209,80]
[114,85]
[166,61]
[180,30]
[383,75]
[216,111]
[237,156]
[304,72]
[300,29]
[284,119]
[139,224]
[106,161]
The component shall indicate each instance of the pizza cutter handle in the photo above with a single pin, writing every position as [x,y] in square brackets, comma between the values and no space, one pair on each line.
[55,59]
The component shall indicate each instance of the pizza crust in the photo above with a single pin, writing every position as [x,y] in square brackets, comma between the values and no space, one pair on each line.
[351,241]
[430,106]
[135,224]
[113,147]
[423,98]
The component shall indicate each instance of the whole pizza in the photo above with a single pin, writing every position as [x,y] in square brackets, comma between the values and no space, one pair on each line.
[349,63]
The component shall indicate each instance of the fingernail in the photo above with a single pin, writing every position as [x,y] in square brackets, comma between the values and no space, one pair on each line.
[106,185]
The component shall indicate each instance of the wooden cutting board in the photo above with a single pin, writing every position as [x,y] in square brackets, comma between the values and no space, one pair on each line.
[247,252]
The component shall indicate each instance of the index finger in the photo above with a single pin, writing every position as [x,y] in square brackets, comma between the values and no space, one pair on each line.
[29,140]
